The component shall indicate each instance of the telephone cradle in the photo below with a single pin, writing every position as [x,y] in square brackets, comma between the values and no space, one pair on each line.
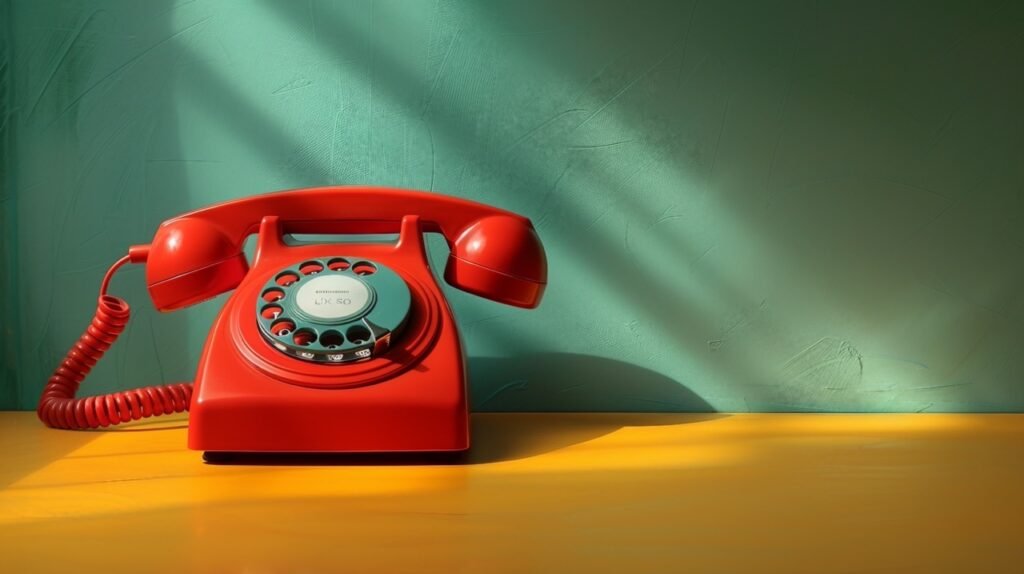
[333,347]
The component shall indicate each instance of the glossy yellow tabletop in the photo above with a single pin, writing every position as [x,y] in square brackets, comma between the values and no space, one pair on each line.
[539,493]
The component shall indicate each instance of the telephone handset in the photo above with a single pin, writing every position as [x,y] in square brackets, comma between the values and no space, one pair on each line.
[321,347]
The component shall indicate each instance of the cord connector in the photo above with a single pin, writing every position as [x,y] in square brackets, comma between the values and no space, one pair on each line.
[138,253]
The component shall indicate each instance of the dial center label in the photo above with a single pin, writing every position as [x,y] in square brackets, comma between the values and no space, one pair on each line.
[332,298]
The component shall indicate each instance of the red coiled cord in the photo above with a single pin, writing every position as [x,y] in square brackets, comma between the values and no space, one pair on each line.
[58,406]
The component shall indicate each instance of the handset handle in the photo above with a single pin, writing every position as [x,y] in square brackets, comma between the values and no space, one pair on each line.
[494,253]
[345,209]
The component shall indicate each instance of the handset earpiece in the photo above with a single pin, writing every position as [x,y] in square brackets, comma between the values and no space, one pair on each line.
[499,257]
[191,260]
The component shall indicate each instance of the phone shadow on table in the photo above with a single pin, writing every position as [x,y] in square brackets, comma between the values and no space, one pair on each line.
[512,417]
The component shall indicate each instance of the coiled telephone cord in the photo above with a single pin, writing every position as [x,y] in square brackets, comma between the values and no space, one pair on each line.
[58,406]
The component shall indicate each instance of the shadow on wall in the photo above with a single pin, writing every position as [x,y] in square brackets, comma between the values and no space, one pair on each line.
[530,169]
[546,382]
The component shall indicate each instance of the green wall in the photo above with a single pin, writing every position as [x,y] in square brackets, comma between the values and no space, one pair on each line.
[746,205]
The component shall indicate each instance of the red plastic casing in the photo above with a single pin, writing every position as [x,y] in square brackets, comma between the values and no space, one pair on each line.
[249,397]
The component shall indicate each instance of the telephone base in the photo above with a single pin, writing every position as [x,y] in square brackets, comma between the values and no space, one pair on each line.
[277,417]
[252,397]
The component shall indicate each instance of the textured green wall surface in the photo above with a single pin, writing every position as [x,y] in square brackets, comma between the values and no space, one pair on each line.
[746,205]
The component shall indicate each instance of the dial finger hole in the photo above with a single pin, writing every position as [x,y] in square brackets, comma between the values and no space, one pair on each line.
[273,295]
[287,278]
[358,334]
[270,311]
[332,339]
[311,268]
[364,268]
[338,264]
[304,337]
[282,327]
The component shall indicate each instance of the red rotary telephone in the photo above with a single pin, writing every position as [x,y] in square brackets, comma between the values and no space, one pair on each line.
[321,348]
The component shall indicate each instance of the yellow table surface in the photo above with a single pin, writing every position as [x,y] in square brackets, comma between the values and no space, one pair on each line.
[540,493]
